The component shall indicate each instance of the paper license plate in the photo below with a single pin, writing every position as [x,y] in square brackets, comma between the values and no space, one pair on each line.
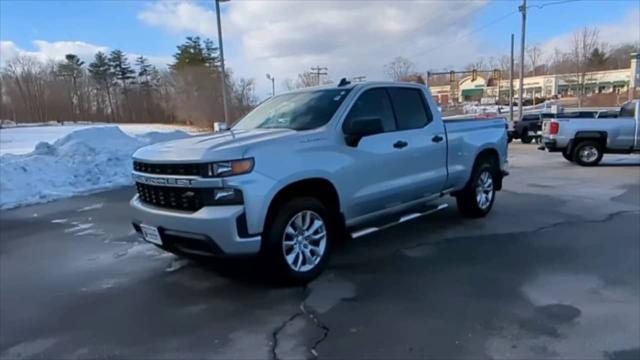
[151,234]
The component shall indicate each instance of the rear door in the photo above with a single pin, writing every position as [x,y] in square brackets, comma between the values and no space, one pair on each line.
[426,151]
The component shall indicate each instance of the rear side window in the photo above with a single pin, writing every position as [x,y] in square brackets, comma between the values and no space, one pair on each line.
[410,108]
[373,103]
[628,110]
[530,117]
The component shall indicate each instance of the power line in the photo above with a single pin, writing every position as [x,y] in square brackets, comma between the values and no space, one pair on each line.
[472,32]
[491,23]
[541,6]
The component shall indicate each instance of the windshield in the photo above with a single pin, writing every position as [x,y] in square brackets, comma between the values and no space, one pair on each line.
[296,111]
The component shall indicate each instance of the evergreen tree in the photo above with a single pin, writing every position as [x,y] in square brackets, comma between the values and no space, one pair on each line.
[196,53]
[71,67]
[120,67]
[598,59]
[123,73]
[147,74]
[100,71]
[71,70]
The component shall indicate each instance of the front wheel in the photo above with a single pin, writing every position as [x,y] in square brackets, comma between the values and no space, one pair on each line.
[524,137]
[476,199]
[298,242]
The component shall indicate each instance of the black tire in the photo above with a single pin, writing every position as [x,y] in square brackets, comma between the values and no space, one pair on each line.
[273,248]
[587,153]
[567,155]
[524,137]
[467,199]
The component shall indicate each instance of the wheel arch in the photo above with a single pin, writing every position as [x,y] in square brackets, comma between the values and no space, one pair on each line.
[492,155]
[599,136]
[317,187]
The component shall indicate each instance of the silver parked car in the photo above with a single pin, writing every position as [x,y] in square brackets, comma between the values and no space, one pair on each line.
[585,140]
[308,167]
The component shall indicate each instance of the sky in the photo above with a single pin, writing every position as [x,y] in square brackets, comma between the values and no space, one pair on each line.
[284,38]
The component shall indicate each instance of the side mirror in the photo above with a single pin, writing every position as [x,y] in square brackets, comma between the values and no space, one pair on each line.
[356,129]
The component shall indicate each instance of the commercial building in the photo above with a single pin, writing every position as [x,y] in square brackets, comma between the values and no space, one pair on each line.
[542,86]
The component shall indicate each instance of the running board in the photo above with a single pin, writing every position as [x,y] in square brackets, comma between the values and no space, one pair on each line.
[411,216]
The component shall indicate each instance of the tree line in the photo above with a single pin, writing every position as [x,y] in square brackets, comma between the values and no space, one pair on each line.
[586,53]
[112,88]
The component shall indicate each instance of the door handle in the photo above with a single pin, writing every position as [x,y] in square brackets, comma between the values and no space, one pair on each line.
[400,144]
[437,138]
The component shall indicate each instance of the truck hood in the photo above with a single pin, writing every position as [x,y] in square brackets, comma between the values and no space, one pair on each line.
[227,145]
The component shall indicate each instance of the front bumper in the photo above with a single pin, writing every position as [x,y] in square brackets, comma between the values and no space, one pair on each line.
[212,230]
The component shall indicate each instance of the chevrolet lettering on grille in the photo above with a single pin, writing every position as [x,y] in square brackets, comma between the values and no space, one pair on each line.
[161,180]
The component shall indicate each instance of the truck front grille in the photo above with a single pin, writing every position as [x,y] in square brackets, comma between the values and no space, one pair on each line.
[170,169]
[187,199]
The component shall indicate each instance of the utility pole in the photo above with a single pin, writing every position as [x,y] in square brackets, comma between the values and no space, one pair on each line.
[511,82]
[318,71]
[523,10]
[224,76]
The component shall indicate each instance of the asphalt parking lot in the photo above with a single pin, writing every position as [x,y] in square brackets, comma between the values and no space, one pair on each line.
[552,272]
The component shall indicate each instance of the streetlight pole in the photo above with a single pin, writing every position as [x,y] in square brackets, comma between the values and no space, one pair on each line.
[273,84]
[511,84]
[523,10]
[224,74]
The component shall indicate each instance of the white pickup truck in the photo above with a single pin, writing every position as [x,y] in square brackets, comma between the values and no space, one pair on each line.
[585,140]
[308,167]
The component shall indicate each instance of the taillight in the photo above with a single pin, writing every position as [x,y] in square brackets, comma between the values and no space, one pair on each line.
[554,128]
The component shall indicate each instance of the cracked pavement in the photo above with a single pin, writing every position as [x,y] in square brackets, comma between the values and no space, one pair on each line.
[552,272]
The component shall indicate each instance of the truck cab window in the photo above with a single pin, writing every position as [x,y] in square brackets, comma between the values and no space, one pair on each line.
[373,103]
[628,109]
[410,108]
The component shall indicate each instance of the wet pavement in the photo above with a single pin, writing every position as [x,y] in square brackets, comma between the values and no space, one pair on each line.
[552,272]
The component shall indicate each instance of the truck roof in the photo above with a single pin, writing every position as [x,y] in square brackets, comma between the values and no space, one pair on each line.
[356,85]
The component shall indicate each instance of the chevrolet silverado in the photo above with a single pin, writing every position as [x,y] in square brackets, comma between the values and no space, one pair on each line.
[307,168]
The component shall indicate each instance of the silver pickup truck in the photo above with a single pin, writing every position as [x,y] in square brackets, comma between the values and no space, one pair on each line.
[307,168]
[585,140]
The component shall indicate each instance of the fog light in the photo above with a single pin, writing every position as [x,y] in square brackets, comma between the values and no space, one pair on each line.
[227,196]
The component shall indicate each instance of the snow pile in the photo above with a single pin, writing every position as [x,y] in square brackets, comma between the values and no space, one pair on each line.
[23,138]
[85,160]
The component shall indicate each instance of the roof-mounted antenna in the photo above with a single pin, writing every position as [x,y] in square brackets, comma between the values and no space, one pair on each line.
[344,82]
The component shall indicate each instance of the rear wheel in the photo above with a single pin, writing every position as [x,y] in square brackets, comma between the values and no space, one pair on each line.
[476,199]
[567,155]
[587,153]
[298,242]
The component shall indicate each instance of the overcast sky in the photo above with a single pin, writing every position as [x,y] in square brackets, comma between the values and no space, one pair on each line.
[284,38]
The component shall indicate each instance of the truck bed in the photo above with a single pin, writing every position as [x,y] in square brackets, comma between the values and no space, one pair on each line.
[467,137]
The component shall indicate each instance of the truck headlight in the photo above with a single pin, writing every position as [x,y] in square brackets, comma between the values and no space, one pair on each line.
[230,168]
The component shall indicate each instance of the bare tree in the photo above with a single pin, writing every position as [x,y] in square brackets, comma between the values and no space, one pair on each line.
[28,77]
[479,64]
[400,69]
[534,53]
[304,80]
[244,97]
[504,65]
[584,42]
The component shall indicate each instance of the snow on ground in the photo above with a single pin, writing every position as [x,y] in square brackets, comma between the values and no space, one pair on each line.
[85,159]
[23,139]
